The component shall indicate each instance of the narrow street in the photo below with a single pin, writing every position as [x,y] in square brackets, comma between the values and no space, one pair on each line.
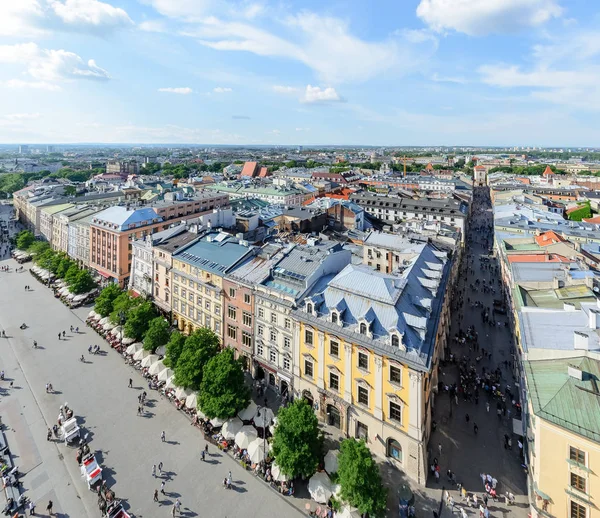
[474,426]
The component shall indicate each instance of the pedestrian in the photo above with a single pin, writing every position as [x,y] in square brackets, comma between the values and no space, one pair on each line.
[154,470]
[206,448]
[451,504]
[162,487]
[177,504]
[487,407]
[485,499]
[130,383]
[31,508]
[467,418]
[49,434]
[139,410]
[64,333]
[436,473]
[59,336]
[160,467]
[475,428]
[439,448]
[156,495]
[47,388]
[49,507]
[162,436]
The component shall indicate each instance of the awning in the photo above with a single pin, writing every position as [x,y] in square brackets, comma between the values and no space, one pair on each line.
[517,427]
[105,275]
[540,493]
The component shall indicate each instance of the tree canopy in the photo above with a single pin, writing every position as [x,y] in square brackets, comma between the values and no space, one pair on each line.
[223,392]
[10,183]
[122,305]
[25,239]
[104,301]
[83,282]
[157,334]
[38,247]
[174,349]
[199,347]
[359,478]
[297,443]
[138,320]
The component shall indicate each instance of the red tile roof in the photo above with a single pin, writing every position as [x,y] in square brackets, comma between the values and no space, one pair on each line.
[429,167]
[537,258]
[264,172]
[549,238]
[548,171]
[249,169]
[595,219]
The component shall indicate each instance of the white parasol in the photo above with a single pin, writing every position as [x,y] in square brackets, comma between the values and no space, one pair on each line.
[128,341]
[192,401]
[348,512]
[157,367]
[319,487]
[245,436]
[104,320]
[149,360]
[116,330]
[249,412]
[108,326]
[170,383]
[182,393]
[264,417]
[231,427]
[165,374]
[133,348]
[257,450]
[277,474]
[331,461]
[217,422]
[92,314]
[141,354]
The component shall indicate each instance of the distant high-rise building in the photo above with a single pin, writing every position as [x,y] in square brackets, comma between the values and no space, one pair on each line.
[49,149]
[23,149]
[124,167]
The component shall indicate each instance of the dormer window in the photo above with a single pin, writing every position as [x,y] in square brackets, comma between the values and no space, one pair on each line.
[363,328]
[334,317]
[309,308]
[395,341]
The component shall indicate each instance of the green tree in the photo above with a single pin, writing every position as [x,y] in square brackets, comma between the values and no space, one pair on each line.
[45,259]
[122,305]
[359,478]
[199,347]
[63,266]
[104,301]
[71,274]
[25,239]
[38,247]
[82,283]
[297,443]
[223,392]
[139,319]
[70,190]
[157,334]
[10,183]
[174,349]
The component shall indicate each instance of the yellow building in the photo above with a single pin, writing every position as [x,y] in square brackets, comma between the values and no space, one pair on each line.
[564,437]
[367,355]
[197,280]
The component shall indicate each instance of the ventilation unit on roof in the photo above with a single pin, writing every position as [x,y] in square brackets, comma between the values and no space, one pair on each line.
[575,372]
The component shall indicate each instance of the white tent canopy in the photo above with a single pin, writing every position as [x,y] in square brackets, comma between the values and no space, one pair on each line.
[170,382]
[263,418]
[165,374]
[245,436]
[192,401]
[231,427]
[276,473]
[116,330]
[217,421]
[128,341]
[133,348]
[319,487]
[331,461]
[182,393]
[141,354]
[149,360]
[348,512]
[249,412]
[157,367]
[257,450]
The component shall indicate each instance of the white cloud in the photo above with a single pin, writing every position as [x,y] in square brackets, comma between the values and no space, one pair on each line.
[188,9]
[449,79]
[152,26]
[315,94]
[184,90]
[480,17]
[22,116]
[280,89]
[35,85]
[90,13]
[49,65]
[33,18]
[222,90]
[323,43]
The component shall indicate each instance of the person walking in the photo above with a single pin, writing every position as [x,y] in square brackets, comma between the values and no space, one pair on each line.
[130,383]
[49,508]
[467,418]
[177,505]
[160,467]
[475,428]
[162,487]
[163,436]
[154,470]
[439,448]
[156,495]
[487,407]
[59,336]
[451,504]
[31,508]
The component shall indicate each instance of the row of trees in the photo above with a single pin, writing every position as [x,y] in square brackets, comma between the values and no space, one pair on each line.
[197,360]
[59,263]
[298,451]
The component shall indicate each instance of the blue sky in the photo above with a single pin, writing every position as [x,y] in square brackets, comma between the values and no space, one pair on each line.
[378,72]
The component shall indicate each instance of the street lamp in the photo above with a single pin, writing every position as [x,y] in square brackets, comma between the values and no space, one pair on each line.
[264,433]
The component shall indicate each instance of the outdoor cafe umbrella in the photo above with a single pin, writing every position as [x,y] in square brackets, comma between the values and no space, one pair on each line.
[319,487]
[156,367]
[245,436]
[182,393]
[149,360]
[116,330]
[170,382]
[133,348]
[348,512]
[257,450]
[276,473]
[249,412]
[108,326]
[104,320]
[231,427]
[128,341]
[141,354]
[165,374]
[331,461]
[217,422]
[263,418]
[192,401]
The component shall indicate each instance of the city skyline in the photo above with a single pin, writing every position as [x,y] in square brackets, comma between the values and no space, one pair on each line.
[429,72]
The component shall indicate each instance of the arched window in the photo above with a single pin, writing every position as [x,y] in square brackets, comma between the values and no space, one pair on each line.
[309,308]
[395,341]
[363,328]
[334,317]
[394,449]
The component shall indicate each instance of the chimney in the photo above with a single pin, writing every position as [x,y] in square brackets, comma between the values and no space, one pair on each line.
[581,341]
[594,319]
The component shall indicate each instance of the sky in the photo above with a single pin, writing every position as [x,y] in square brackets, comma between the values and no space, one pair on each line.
[338,72]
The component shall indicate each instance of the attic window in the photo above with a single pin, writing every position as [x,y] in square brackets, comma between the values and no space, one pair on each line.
[334,317]
[363,328]
[395,341]
[309,308]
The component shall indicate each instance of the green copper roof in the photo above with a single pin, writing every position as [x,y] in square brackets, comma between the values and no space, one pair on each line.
[564,400]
